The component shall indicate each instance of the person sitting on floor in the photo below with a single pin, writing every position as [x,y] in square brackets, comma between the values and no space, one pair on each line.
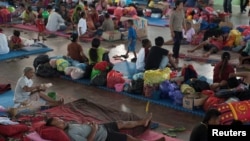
[96,53]
[28,16]
[15,41]
[55,21]
[75,50]
[94,15]
[158,57]
[200,131]
[76,15]
[108,24]
[64,12]
[83,31]
[245,55]
[222,71]
[30,97]
[211,45]
[100,132]
[142,55]
[4,48]
[187,35]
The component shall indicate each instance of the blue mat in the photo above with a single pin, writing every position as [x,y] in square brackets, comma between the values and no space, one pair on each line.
[164,102]
[128,69]
[6,99]
[22,53]
[157,22]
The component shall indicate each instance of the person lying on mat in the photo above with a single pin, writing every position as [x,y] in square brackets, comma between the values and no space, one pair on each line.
[75,50]
[15,41]
[28,16]
[200,131]
[142,55]
[100,132]
[211,45]
[222,70]
[158,57]
[83,31]
[31,97]
[4,48]
[96,53]
[55,20]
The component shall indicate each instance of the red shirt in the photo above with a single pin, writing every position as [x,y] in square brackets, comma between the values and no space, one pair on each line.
[219,44]
[224,75]
[40,25]
[16,40]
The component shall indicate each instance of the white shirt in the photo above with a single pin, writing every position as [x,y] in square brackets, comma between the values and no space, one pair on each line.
[20,95]
[189,34]
[83,24]
[54,21]
[140,63]
[4,48]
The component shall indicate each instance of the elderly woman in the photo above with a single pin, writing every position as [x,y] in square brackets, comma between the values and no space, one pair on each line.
[30,97]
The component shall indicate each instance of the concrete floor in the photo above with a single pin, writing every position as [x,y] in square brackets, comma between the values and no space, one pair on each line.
[70,91]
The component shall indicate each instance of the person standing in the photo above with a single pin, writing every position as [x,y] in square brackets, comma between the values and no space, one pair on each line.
[243,5]
[227,5]
[177,23]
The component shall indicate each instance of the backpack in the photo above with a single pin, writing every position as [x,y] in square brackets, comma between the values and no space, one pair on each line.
[41,59]
[137,86]
[199,85]
[99,79]
[45,70]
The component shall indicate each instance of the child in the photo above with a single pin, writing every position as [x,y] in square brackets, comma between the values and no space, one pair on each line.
[15,41]
[188,35]
[142,55]
[131,40]
[41,27]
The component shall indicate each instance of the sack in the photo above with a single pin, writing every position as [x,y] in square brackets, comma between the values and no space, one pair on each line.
[148,90]
[41,59]
[4,87]
[76,73]
[199,85]
[45,70]
[137,86]
[61,64]
[99,79]
[156,76]
[114,77]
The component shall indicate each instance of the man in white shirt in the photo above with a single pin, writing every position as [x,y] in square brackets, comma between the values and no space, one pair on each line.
[4,48]
[142,55]
[30,97]
[55,21]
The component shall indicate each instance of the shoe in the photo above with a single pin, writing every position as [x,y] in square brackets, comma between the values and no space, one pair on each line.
[133,60]
[124,56]
[170,134]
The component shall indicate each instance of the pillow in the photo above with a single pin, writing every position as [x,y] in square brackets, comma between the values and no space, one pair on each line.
[34,136]
[50,132]
[10,130]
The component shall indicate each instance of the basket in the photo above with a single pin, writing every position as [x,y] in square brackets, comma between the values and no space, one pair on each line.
[119,87]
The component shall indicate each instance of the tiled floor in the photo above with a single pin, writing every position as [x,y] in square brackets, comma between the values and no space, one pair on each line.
[10,72]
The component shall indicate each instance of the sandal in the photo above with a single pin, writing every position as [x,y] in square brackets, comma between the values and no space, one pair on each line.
[170,134]
[154,125]
[177,129]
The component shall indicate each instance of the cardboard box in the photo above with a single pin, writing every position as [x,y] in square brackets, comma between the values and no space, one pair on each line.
[111,35]
[140,24]
[191,101]
[188,102]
